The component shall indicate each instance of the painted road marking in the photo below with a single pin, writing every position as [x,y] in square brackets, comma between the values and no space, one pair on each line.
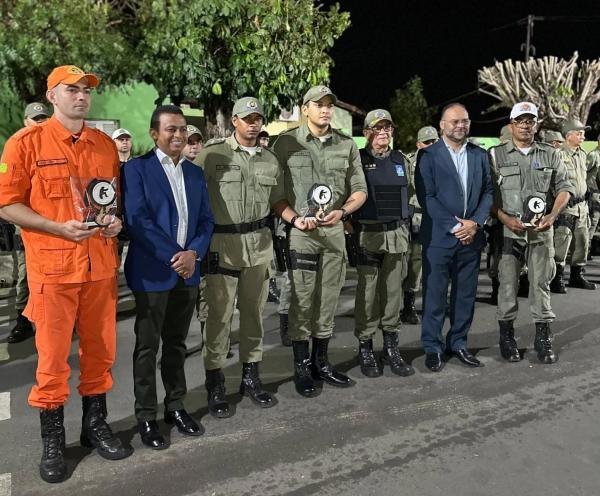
[4,406]
[5,484]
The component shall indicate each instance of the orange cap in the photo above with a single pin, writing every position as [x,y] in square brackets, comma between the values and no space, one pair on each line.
[70,74]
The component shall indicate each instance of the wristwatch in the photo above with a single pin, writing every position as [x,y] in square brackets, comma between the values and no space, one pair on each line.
[345,214]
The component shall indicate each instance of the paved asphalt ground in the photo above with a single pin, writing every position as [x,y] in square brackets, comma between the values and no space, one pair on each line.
[505,429]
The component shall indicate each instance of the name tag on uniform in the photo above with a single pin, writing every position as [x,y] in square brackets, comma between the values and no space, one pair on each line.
[301,153]
[50,161]
[223,167]
[400,170]
[370,167]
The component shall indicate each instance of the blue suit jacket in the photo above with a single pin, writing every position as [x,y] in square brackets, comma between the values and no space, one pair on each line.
[151,220]
[440,193]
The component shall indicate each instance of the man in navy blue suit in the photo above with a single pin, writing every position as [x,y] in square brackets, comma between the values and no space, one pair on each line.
[454,187]
[169,223]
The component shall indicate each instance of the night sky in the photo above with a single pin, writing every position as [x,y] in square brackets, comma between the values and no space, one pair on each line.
[445,43]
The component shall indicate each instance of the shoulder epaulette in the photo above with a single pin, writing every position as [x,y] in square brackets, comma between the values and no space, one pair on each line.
[214,141]
[343,135]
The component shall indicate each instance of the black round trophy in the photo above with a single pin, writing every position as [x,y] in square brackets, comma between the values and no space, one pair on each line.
[100,196]
[320,197]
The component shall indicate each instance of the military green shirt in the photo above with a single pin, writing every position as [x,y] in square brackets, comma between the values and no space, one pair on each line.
[593,170]
[575,161]
[517,176]
[241,188]
[306,160]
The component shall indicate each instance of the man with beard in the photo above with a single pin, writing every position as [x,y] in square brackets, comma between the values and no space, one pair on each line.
[526,175]
[455,190]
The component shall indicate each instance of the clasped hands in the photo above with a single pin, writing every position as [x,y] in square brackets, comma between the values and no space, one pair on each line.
[467,231]
[184,263]
[311,223]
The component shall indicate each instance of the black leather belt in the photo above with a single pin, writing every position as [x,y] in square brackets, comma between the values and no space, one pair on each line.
[574,200]
[382,227]
[243,228]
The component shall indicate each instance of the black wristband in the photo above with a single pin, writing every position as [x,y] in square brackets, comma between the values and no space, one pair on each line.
[345,215]
[293,220]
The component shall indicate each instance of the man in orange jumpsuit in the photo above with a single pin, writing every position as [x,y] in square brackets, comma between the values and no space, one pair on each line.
[71,266]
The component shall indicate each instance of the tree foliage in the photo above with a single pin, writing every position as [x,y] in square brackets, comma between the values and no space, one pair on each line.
[210,52]
[562,89]
[410,111]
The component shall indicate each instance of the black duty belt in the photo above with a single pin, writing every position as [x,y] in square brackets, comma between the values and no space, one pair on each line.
[243,228]
[381,227]
[574,200]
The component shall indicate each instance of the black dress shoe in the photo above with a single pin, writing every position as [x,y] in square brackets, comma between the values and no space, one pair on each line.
[151,435]
[434,362]
[184,423]
[466,357]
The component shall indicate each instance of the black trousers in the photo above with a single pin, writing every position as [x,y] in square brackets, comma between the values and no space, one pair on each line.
[162,315]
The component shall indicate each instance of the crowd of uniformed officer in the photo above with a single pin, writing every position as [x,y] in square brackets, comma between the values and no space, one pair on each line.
[371,220]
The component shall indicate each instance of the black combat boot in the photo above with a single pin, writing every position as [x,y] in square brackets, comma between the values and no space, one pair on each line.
[252,387]
[215,385]
[369,365]
[508,344]
[283,330]
[523,291]
[494,294]
[409,312]
[22,330]
[543,343]
[558,284]
[576,279]
[52,466]
[302,376]
[95,431]
[323,370]
[391,355]
[274,292]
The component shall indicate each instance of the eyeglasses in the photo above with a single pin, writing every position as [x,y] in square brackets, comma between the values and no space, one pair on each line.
[388,129]
[456,122]
[524,122]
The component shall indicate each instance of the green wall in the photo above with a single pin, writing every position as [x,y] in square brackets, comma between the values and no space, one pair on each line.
[131,106]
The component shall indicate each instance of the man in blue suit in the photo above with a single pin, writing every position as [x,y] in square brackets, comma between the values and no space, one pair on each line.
[169,223]
[454,187]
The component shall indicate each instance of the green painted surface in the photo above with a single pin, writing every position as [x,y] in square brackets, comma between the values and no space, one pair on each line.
[131,106]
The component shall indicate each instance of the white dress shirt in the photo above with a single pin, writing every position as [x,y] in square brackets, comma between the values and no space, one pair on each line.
[174,174]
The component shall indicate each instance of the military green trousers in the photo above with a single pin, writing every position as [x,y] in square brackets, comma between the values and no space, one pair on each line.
[577,240]
[541,270]
[250,284]
[379,295]
[412,283]
[22,288]
[316,282]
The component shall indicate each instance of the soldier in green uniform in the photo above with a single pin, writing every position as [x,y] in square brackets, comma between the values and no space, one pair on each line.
[527,175]
[554,138]
[593,183]
[35,113]
[383,237]
[572,227]
[244,181]
[426,136]
[316,154]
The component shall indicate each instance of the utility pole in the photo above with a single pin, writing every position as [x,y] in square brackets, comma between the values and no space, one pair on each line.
[527,47]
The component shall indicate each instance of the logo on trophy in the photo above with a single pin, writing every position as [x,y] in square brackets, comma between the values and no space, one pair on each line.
[320,198]
[95,199]
[534,208]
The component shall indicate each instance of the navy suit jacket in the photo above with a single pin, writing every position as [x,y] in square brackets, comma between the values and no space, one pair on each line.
[441,197]
[151,220]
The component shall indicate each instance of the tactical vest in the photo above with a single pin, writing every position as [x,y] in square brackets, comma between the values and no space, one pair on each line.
[387,183]
[515,190]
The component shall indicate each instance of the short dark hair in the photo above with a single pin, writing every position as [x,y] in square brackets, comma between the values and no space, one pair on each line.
[449,106]
[160,110]
[263,134]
